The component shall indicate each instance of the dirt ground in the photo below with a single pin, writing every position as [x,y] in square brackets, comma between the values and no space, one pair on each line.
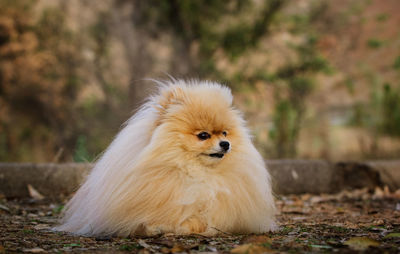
[348,222]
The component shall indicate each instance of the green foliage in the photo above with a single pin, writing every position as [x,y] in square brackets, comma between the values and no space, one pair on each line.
[349,83]
[130,247]
[51,22]
[396,64]
[196,21]
[3,145]
[299,88]
[357,7]
[27,231]
[100,33]
[237,39]
[299,84]
[298,23]
[390,111]
[382,17]
[393,235]
[72,245]
[374,43]
[382,114]
[284,130]
[58,209]
[81,153]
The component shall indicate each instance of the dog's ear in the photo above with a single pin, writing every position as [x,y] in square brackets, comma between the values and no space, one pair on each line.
[174,95]
[171,96]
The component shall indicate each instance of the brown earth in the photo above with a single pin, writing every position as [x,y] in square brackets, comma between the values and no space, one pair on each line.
[348,222]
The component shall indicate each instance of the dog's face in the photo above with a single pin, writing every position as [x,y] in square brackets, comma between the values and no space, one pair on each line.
[207,145]
[215,143]
[204,128]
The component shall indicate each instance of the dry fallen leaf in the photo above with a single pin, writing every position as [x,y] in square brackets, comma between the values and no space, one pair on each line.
[177,248]
[396,194]
[33,250]
[378,222]
[41,226]
[145,251]
[385,193]
[257,239]
[164,250]
[34,193]
[4,208]
[250,249]
[361,243]
[143,244]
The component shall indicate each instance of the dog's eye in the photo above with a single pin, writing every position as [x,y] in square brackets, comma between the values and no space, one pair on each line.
[203,135]
[224,133]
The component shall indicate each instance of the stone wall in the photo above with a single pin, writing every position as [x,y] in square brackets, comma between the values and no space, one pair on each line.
[288,176]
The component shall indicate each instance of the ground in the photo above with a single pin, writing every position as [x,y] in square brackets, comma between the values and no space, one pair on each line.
[348,222]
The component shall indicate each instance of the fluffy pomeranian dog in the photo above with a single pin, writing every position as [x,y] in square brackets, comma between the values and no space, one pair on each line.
[184,163]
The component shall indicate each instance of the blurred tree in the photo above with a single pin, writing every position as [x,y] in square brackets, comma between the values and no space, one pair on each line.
[38,81]
[294,81]
[381,114]
[196,23]
[390,111]
[298,83]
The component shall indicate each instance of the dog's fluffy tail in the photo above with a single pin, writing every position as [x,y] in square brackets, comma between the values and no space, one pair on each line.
[84,211]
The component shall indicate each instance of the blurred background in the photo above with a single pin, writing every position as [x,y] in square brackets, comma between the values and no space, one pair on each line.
[315,78]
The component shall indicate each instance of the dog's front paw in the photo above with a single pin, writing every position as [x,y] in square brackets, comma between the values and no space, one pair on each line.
[151,230]
[193,225]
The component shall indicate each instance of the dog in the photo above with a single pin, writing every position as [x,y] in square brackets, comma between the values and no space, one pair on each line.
[183,164]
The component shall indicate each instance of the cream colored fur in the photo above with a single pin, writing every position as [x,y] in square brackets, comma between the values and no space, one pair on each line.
[157,177]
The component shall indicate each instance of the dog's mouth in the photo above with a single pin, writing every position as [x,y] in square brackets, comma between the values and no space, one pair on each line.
[217,155]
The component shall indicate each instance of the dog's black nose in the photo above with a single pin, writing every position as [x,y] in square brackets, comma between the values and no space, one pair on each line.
[224,145]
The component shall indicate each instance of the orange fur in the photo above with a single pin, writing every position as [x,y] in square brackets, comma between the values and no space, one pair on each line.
[157,176]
